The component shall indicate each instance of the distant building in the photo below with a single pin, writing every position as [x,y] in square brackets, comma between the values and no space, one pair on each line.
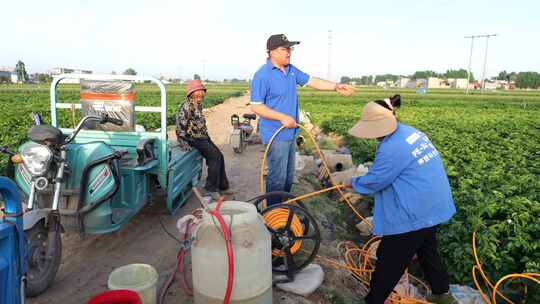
[411,84]
[492,84]
[58,71]
[460,83]
[447,83]
[507,85]
[433,82]
[475,85]
[33,78]
[386,84]
[402,82]
[8,74]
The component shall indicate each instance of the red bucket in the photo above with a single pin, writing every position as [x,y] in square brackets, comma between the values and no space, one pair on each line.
[116,297]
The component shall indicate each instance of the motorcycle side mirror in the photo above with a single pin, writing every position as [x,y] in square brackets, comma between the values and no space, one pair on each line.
[7,151]
[37,118]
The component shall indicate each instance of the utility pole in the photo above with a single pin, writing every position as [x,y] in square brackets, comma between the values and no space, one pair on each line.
[329,68]
[470,58]
[485,62]
[470,61]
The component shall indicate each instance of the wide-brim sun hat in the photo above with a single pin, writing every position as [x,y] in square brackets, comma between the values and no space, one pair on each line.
[376,121]
[194,85]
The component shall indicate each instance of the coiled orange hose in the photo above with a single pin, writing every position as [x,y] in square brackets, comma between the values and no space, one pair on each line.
[277,219]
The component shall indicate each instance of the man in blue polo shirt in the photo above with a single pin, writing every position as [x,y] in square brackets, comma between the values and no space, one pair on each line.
[275,99]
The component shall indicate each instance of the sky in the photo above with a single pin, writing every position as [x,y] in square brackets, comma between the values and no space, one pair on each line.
[227,39]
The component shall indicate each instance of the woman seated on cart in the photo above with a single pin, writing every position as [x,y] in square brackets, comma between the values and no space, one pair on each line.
[191,131]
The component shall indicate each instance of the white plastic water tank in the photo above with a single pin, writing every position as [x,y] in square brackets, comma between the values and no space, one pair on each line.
[252,257]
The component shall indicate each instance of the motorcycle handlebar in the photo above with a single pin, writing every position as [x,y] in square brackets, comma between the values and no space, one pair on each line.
[115,121]
[79,127]
[100,119]
[7,151]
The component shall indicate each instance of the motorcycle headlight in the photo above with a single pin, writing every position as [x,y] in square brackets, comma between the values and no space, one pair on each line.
[36,158]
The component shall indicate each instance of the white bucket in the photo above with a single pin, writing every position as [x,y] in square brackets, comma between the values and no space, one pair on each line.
[141,278]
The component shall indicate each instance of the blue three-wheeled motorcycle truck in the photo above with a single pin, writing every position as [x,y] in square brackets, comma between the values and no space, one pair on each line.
[91,179]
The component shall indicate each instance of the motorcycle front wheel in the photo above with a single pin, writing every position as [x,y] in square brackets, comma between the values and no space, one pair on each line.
[43,258]
[237,141]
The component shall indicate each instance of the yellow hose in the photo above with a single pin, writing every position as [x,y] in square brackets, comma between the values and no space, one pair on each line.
[277,219]
[487,281]
[530,276]
[335,186]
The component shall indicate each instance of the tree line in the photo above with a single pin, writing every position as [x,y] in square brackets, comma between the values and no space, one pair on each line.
[371,80]
[525,80]
[522,80]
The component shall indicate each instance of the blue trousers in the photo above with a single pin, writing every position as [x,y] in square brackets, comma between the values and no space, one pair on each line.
[281,166]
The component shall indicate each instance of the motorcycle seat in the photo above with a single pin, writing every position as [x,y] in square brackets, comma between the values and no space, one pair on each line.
[249,116]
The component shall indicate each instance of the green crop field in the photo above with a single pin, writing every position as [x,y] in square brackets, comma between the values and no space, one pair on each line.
[17,102]
[490,145]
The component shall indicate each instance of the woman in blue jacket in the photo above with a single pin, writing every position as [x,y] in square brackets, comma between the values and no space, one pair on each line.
[412,197]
